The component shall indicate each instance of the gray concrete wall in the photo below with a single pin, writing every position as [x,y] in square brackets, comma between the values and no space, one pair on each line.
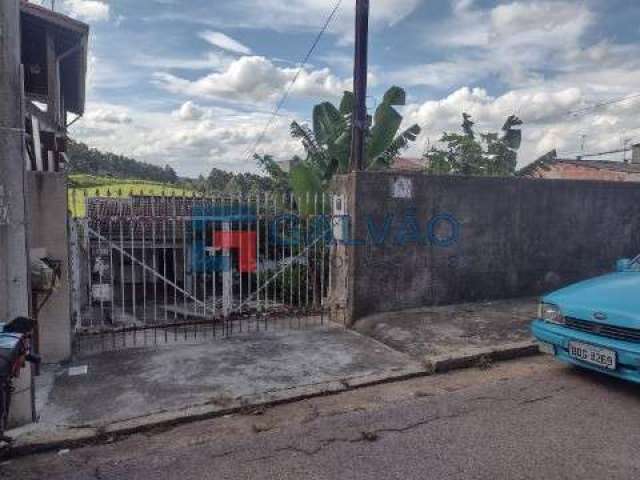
[14,262]
[47,208]
[516,237]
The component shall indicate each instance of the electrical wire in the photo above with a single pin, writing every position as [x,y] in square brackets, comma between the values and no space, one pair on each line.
[252,151]
[603,104]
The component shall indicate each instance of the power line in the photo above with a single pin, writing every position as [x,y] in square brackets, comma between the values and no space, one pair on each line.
[284,98]
[603,104]
[600,154]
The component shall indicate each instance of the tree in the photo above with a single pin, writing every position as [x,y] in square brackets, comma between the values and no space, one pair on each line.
[492,155]
[94,162]
[170,174]
[327,143]
[218,179]
[278,177]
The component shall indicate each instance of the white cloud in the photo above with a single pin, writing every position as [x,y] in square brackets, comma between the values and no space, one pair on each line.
[450,73]
[189,111]
[210,61]
[546,112]
[220,40]
[553,24]
[109,115]
[295,15]
[213,137]
[255,79]
[518,41]
[87,10]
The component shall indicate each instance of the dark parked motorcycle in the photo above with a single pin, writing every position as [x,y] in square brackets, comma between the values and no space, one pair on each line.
[15,352]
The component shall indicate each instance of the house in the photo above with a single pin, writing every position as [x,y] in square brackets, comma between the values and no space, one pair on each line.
[408,164]
[551,167]
[54,63]
[42,81]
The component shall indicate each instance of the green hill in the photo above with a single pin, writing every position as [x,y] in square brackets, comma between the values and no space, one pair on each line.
[82,186]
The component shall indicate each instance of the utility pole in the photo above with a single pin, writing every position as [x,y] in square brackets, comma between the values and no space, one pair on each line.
[625,144]
[360,68]
[14,260]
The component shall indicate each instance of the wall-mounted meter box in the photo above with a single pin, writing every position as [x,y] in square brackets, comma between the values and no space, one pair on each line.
[339,217]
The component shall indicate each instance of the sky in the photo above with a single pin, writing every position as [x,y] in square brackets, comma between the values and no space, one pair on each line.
[193,83]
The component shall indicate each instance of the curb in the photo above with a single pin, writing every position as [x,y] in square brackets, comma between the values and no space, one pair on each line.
[473,357]
[50,438]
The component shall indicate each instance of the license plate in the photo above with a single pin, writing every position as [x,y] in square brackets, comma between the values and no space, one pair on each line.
[593,355]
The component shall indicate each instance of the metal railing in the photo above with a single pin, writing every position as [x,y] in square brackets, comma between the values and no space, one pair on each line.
[172,269]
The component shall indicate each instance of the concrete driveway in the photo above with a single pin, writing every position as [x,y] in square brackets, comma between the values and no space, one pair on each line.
[139,382]
[453,330]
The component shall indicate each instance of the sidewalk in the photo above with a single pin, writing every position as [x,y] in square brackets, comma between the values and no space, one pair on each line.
[134,390]
[454,335]
[135,383]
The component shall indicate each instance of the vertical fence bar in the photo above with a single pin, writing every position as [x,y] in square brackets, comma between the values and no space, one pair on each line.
[283,203]
[185,287]
[315,254]
[165,292]
[258,258]
[144,272]
[216,208]
[227,271]
[267,255]
[100,270]
[174,259]
[112,276]
[154,253]
[308,255]
[203,236]
[122,291]
[322,279]
[299,252]
[132,226]
[255,277]
[240,204]
[291,251]
[87,249]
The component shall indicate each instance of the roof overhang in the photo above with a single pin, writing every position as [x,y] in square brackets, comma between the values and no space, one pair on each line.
[71,39]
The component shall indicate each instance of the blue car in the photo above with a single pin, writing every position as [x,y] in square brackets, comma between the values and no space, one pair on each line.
[596,323]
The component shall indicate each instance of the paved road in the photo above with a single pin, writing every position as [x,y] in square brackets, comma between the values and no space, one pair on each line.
[528,419]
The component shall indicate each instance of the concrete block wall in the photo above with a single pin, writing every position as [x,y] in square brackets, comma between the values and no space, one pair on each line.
[513,237]
[48,229]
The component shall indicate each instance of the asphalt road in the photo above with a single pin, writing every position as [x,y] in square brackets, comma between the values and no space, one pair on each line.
[527,419]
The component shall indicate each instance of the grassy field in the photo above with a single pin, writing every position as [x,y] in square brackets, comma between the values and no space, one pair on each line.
[82,186]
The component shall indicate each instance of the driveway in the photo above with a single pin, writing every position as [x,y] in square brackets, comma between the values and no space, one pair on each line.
[138,382]
[453,330]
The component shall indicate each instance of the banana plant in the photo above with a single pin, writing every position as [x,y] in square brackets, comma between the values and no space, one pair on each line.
[327,142]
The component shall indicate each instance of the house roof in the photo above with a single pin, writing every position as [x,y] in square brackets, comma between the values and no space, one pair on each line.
[406,163]
[550,159]
[611,165]
[55,18]
[71,38]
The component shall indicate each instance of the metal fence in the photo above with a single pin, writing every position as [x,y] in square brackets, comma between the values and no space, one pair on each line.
[159,269]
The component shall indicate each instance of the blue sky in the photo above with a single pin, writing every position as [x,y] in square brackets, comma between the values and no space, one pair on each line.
[192,82]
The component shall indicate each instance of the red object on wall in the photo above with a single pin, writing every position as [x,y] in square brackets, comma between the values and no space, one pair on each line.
[245,242]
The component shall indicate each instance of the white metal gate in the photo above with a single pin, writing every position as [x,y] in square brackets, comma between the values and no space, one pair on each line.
[150,270]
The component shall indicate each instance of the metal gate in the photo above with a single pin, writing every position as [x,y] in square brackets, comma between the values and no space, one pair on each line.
[150,270]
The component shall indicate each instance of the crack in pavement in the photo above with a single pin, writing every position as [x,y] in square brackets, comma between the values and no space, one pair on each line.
[536,399]
[366,436]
